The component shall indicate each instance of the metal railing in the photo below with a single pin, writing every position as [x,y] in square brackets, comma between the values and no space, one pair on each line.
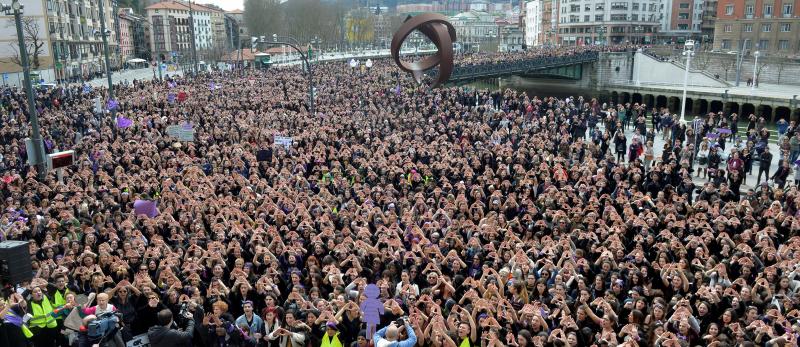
[511,68]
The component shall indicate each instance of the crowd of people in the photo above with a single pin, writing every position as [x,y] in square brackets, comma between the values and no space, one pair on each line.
[482,218]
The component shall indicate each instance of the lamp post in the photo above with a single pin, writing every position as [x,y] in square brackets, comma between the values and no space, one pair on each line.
[36,137]
[688,51]
[294,44]
[105,34]
[755,71]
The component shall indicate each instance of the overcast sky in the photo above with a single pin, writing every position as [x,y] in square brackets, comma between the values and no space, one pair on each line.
[225,4]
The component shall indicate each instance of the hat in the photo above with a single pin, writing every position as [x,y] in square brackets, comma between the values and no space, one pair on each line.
[331,325]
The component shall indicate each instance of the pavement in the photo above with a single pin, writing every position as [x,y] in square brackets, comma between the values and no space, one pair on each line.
[750,180]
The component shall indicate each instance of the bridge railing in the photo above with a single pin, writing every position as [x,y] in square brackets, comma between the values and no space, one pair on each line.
[509,68]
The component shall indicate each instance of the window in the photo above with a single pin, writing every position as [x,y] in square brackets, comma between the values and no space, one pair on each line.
[786,27]
[635,6]
[748,44]
[683,26]
[619,5]
[783,45]
[684,5]
[767,11]
[683,16]
[787,10]
[726,44]
[634,17]
[586,18]
[748,28]
[748,10]
[598,18]
[763,44]
[617,17]
[728,28]
[766,27]
[729,10]
[599,7]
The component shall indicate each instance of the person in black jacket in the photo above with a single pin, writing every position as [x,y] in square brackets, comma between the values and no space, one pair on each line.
[164,335]
[782,174]
[763,164]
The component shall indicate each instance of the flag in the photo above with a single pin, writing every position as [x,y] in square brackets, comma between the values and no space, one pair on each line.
[723,130]
[171,85]
[112,105]
[87,89]
[145,207]
[212,86]
[171,98]
[397,89]
[123,122]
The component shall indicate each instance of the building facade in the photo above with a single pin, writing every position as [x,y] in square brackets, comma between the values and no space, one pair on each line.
[171,32]
[533,23]
[769,26]
[709,18]
[75,36]
[608,22]
[126,25]
[682,20]
[512,39]
[477,31]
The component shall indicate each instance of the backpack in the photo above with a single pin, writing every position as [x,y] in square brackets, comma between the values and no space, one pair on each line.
[103,326]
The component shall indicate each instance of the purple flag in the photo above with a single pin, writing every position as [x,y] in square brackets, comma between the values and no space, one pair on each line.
[212,86]
[712,135]
[112,105]
[171,98]
[797,162]
[171,85]
[123,122]
[145,207]
[723,130]
[397,89]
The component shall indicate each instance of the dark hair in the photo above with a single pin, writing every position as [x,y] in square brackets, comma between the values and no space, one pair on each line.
[164,317]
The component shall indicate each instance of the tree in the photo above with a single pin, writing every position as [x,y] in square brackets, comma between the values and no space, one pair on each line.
[762,65]
[780,65]
[728,65]
[263,17]
[34,43]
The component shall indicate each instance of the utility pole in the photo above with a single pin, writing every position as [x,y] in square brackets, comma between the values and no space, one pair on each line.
[104,34]
[194,47]
[36,136]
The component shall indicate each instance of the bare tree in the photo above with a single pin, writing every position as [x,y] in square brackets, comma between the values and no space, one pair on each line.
[727,65]
[762,65]
[780,65]
[702,61]
[34,43]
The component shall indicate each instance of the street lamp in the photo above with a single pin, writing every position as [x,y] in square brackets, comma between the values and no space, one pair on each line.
[36,137]
[688,51]
[294,44]
[755,67]
[739,59]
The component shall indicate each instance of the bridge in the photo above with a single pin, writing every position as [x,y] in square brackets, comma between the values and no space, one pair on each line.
[570,67]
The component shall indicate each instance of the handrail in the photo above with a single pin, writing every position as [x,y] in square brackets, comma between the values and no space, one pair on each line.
[505,68]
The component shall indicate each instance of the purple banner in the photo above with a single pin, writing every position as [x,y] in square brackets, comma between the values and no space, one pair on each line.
[123,122]
[145,207]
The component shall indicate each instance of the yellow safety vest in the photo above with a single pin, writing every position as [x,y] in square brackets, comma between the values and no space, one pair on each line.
[58,299]
[42,315]
[327,341]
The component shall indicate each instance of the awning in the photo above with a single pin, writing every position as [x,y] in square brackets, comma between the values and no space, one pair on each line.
[137,61]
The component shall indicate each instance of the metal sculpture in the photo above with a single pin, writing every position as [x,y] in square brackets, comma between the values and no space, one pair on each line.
[440,32]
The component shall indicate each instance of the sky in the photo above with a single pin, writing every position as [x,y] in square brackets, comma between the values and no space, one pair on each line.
[225,4]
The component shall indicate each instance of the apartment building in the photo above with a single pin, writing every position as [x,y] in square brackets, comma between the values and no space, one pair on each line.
[769,26]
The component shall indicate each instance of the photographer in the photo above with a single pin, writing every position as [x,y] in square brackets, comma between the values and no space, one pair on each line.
[389,335]
[164,335]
